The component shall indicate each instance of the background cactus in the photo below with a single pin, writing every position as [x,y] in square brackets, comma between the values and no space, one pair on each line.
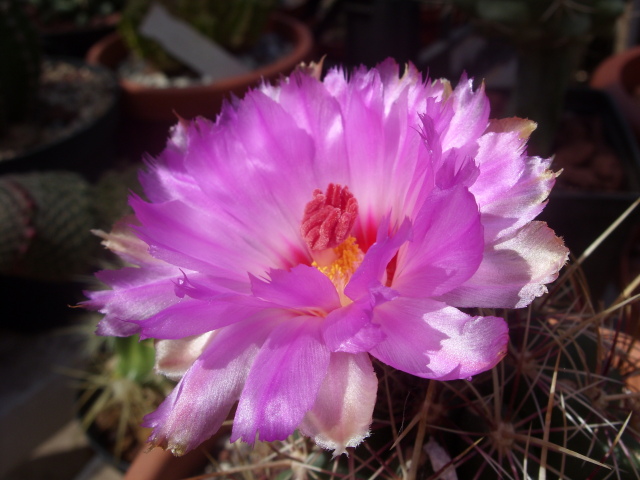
[550,37]
[20,57]
[46,220]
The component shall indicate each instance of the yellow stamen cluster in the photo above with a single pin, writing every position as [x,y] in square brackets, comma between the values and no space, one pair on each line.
[347,258]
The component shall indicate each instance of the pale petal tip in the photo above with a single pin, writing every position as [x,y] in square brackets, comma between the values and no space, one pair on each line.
[339,447]
[313,69]
[523,126]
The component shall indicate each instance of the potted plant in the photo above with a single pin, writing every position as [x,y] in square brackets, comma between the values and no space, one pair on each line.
[114,394]
[154,109]
[562,402]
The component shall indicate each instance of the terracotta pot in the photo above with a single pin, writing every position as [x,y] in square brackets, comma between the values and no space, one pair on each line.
[620,76]
[162,104]
[630,366]
[159,464]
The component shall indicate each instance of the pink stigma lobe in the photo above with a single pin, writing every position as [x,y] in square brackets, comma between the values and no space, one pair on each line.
[329,217]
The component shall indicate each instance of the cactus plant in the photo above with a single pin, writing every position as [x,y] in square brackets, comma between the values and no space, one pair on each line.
[53,215]
[233,25]
[46,220]
[560,405]
[20,57]
[551,37]
[117,390]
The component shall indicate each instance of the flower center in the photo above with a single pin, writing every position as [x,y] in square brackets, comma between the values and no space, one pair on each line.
[326,225]
[340,263]
[329,217]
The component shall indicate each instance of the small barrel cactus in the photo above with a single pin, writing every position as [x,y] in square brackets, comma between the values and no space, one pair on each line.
[20,57]
[46,220]
[45,225]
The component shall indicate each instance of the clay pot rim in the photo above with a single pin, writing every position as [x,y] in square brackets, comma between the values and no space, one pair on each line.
[293,29]
[619,69]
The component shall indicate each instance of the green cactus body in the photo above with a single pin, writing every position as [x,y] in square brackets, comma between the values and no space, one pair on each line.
[45,226]
[20,56]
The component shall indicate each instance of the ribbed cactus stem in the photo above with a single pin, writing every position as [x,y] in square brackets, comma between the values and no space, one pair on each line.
[45,223]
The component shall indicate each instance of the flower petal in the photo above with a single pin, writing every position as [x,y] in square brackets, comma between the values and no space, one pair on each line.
[261,193]
[431,340]
[175,357]
[195,317]
[446,246]
[343,411]
[283,383]
[366,281]
[303,287]
[512,187]
[199,404]
[349,329]
[471,115]
[513,271]
[137,294]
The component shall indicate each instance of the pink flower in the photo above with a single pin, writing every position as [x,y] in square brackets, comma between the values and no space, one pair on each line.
[317,224]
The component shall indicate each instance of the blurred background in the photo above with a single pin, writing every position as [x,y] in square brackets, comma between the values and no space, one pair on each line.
[88,88]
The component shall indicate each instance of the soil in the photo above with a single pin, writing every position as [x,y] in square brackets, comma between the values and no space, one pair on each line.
[71,97]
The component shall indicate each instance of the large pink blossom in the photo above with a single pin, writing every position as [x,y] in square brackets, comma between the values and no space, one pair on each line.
[314,225]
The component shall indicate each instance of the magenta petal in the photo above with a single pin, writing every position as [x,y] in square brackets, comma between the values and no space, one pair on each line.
[514,271]
[202,400]
[349,329]
[138,293]
[194,317]
[303,287]
[283,383]
[446,248]
[371,272]
[471,115]
[343,411]
[431,340]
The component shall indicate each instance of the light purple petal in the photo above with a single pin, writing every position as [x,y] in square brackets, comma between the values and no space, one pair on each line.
[349,329]
[514,271]
[195,317]
[366,281]
[283,383]
[512,187]
[471,115]
[199,404]
[319,114]
[343,411]
[446,248]
[381,128]
[175,357]
[432,340]
[261,193]
[137,294]
[303,287]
